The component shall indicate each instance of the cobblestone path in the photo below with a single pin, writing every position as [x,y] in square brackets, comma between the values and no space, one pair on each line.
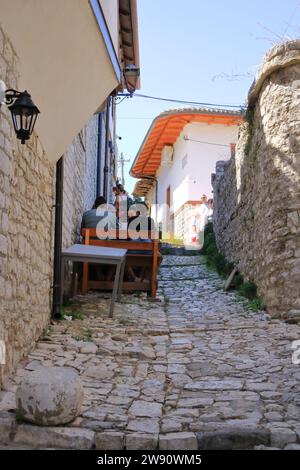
[196,369]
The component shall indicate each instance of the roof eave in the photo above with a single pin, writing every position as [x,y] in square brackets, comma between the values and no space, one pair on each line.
[176,113]
[141,148]
[129,28]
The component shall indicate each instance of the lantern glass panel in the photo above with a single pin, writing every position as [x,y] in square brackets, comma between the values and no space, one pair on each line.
[32,123]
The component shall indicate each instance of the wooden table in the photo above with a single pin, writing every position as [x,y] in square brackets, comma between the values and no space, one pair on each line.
[100,255]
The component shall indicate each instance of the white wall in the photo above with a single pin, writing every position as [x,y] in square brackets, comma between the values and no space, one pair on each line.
[110,10]
[63,63]
[190,182]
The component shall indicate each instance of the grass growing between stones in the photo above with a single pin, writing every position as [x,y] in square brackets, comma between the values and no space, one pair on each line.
[172,241]
[73,313]
[213,258]
[84,334]
[46,333]
[76,315]
[217,262]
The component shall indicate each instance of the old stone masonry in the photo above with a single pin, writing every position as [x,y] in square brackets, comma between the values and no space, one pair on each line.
[196,369]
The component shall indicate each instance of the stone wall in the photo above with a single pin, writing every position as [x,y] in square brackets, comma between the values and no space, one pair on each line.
[27,194]
[257,193]
[26,201]
[80,171]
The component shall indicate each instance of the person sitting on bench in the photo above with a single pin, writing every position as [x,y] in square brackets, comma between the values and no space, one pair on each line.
[141,227]
[90,219]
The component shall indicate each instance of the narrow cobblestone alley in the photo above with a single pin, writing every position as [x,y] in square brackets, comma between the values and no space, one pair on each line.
[195,369]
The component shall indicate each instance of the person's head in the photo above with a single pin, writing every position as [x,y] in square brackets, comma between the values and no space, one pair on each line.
[121,188]
[136,210]
[210,203]
[203,199]
[99,201]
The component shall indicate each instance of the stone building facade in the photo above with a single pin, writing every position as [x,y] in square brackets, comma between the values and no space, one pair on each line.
[71,84]
[257,193]
[26,211]
[27,199]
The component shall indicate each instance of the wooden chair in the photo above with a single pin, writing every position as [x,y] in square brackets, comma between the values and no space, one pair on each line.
[149,257]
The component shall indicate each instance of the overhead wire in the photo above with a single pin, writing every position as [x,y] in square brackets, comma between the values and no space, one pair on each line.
[197,103]
[204,142]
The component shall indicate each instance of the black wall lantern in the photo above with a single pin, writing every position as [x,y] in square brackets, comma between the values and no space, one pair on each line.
[23,111]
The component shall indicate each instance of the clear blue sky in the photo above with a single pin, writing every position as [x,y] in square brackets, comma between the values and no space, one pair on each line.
[199,50]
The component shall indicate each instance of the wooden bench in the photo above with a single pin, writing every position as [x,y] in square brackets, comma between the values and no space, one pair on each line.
[144,259]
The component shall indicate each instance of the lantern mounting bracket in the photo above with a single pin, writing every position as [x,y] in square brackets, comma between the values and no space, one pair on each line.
[11,95]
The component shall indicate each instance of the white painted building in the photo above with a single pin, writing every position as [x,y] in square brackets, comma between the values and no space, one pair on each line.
[177,159]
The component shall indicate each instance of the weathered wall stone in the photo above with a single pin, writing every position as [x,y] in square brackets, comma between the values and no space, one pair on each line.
[25,237]
[257,198]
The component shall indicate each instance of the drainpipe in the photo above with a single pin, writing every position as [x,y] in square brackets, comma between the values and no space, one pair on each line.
[99,155]
[106,155]
[57,272]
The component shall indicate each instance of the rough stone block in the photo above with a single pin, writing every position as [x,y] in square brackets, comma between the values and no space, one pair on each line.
[140,441]
[280,437]
[145,409]
[5,163]
[215,385]
[144,425]
[109,440]
[54,437]
[178,441]
[7,426]
[3,244]
[292,447]
[88,348]
[235,438]
[171,425]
